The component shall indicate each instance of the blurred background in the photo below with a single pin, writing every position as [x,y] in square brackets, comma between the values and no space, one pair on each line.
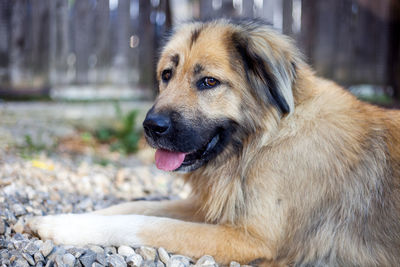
[107,49]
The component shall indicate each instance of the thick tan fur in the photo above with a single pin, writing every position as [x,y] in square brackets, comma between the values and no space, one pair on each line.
[318,185]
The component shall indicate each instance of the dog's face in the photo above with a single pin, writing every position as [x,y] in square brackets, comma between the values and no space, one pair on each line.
[214,79]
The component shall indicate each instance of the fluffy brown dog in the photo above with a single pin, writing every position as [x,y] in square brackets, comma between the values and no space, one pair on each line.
[286,168]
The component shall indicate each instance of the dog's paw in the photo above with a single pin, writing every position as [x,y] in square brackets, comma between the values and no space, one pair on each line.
[62,229]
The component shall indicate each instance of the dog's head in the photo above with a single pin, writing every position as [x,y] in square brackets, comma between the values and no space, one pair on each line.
[219,82]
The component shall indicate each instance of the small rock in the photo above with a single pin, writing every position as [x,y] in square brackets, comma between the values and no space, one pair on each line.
[38,242]
[160,264]
[19,244]
[57,251]
[46,248]
[4,254]
[96,264]
[96,249]
[68,259]
[31,248]
[88,258]
[147,253]
[85,204]
[2,227]
[38,257]
[148,264]
[28,258]
[110,250]
[58,261]
[78,264]
[18,237]
[39,264]
[49,263]
[234,264]
[134,260]
[18,209]
[101,258]
[4,243]
[125,251]
[206,260]
[76,252]
[20,263]
[163,254]
[116,261]
[178,261]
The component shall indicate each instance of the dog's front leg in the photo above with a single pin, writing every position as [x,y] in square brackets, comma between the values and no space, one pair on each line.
[223,242]
[182,209]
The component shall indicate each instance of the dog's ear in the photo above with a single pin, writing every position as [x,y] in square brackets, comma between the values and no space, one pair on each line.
[270,69]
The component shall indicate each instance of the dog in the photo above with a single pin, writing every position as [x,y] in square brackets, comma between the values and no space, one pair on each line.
[286,169]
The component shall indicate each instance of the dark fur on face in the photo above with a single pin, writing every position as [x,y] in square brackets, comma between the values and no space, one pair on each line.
[200,138]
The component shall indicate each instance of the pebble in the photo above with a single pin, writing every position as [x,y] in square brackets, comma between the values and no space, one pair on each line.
[149,264]
[101,258]
[31,248]
[125,251]
[58,262]
[134,260]
[18,209]
[116,260]
[46,248]
[179,261]
[234,264]
[206,260]
[20,263]
[110,250]
[147,253]
[88,258]
[49,263]
[97,249]
[57,251]
[68,259]
[76,252]
[2,227]
[38,257]
[176,263]
[163,255]
[4,254]
[28,258]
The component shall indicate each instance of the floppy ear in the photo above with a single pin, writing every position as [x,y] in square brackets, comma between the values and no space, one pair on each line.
[270,70]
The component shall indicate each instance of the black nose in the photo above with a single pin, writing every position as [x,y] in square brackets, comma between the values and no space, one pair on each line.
[156,125]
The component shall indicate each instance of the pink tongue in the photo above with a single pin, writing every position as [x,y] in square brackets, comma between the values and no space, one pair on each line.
[168,160]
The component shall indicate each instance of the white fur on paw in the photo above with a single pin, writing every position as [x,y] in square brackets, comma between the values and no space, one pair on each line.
[62,229]
[83,229]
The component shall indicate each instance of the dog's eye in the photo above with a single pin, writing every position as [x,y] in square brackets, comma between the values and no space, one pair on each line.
[166,75]
[207,83]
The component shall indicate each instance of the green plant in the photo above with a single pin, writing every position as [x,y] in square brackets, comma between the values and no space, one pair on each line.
[122,136]
[30,148]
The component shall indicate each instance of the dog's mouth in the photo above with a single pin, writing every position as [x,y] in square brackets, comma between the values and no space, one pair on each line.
[173,160]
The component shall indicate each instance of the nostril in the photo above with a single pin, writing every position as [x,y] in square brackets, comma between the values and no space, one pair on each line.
[160,128]
[156,124]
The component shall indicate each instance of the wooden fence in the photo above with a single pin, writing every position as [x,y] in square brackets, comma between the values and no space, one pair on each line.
[47,44]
